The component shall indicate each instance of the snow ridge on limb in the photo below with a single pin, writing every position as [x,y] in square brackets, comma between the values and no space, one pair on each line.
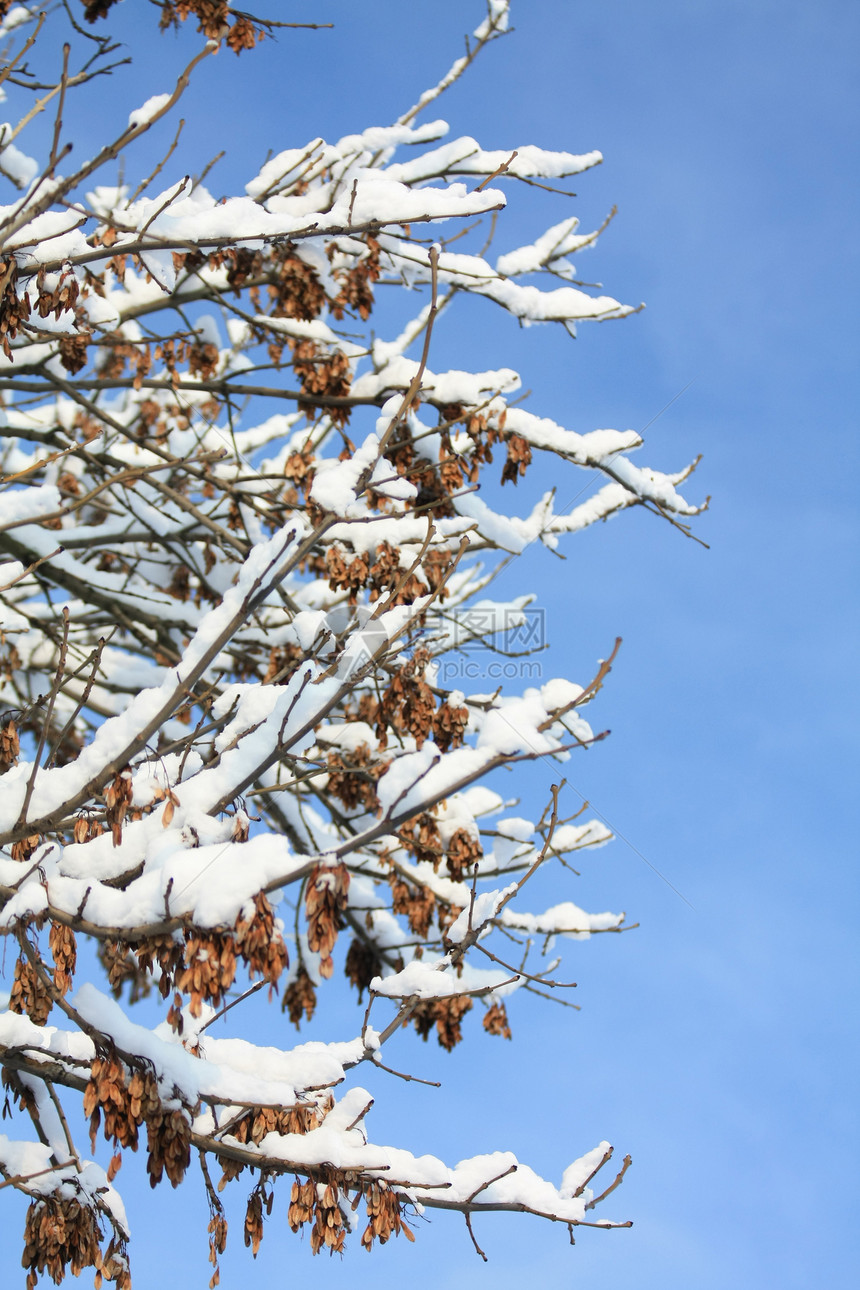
[229,749]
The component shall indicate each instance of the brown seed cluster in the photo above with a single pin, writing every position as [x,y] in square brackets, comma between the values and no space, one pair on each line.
[259,942]
[362,964]
[217,1245]
[254,1219]
[14,310]
[446,1015]
[55,293]
[213,20]
[317,1203]
[118,797]
[301,1118]
[385,573]
[60,295]
[519,457]
[346,576]
[463,851]
[124,1102]
[210,958]
[73,352]
[408,704]
[179,586]
[201,964]
[64,949]
[325,901]
[209,970]
[433,495]
[451,474]
[86,829]
[449,726]
[356,291]
[400,587]
[127,1100]
[385,577]
[418,904]
[384,1218]
[420,836]
[29,995]
[118,960]
[256,1124]
[116,352]
[496,1021]
[352,777]
[300,998]
[202,360]
[296,291]
[24,847]
[10,659]
[94,9]
[59,1234]
[323,376]
[168,1137]
[10,747]
[483,436]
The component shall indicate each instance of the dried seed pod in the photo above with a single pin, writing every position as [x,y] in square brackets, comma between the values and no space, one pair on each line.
[496,1021]
[325,375]
[356,291]
[10,747]
[124,1101]
[118,796]
[446,1015]
[449,726]
[300,997]
[325,899]
[168,1134]
[14,309]
[117,959]
[362,964]
[408,704]
[29,995]
[260,943]
[420,835]
[343,576]
[64,949]
[518,459]
[352,777]
[297,291]
[464,850]
[217,1245]
[384,1218]
[210,968]
[302,1201]
[254,1221]
[73,352]
[328,1231]
[59,1233]
[25,847]
[417,903]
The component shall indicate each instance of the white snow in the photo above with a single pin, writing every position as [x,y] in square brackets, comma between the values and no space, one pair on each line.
[148,110]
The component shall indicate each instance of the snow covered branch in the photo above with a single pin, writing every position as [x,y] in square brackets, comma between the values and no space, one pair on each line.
[241,534]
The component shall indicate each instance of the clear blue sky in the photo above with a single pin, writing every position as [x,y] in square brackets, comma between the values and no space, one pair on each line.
[717,1044]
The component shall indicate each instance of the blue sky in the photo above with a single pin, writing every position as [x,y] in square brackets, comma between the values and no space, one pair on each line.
[717,1043]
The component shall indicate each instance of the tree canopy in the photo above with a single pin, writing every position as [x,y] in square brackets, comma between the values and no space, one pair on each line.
[242,534]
